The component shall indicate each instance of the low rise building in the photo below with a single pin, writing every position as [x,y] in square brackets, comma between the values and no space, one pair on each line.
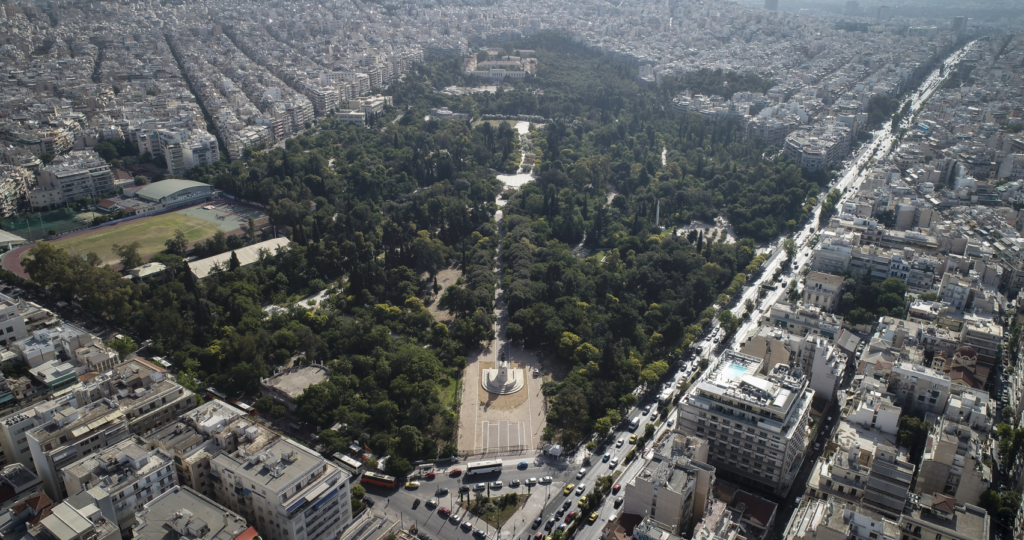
[836,519]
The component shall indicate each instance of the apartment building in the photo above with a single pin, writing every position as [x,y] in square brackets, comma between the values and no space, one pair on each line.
[17,483]
[129,472]
[674,487]
[82,173]
[837,519]
[205,432]
[70,435]
[951,463]
[286,490]
[144,394]
[819,146]
[940,517]
[801,320]
[13,428]
[12,323]
[822,291]
[955,291]
[920,388]
[14,183]
[180,512]
[756,425]
[827,369]
[185,149]
[86,515]
[983,335]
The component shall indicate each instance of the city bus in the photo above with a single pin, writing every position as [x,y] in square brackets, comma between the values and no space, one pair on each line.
[482,467]
[378,479]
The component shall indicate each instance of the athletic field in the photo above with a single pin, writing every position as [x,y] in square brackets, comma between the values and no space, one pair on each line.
[197,222]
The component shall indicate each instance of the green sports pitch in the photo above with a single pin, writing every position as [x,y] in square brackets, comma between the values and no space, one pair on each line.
[151,232]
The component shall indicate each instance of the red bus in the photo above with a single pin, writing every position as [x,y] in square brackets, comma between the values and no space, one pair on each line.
[378,479]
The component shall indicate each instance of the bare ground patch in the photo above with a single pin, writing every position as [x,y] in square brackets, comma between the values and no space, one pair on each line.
[445,277]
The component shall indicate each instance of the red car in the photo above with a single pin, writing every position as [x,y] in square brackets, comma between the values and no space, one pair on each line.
[430,475]
[455,472]
[616,488]
[538,536]
[444,511]
[569,517]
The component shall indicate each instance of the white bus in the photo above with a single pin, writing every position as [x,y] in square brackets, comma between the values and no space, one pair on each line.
[482,467]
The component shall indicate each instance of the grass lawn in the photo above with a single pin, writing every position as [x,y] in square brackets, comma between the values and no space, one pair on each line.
[449,394]
[491,510]
[151,232]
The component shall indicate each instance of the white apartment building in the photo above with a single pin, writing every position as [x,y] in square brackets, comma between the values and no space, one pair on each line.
[13,428]
[920,388]
[185,149]
[756,425]
[12,324]
[836,519]
[80,174]
[286,491]
[130,473]
[71,435]
[818,147]
[827,369]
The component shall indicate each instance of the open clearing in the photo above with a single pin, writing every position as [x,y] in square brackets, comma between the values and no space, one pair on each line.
[151,232]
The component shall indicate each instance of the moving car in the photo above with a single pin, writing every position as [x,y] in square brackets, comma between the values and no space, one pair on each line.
[455,472]
[412,485]
[581,489]
[522,465]
[441,492]
[432,503]
[568,489]
[582,473]
[537,522]
[592,518]
[416,504]
[444,512]
[619,443]
[606,457]
[570,516]
[616,488]
[632,439]
[618,502]
[581,502]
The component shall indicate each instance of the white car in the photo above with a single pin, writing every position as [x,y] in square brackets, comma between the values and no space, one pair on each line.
[531,482]
[619,443]
[581,488]
[582,473]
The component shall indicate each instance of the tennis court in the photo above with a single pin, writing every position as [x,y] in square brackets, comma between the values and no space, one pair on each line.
[37,227]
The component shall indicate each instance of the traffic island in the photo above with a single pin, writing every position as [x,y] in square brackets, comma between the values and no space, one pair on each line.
[495,511]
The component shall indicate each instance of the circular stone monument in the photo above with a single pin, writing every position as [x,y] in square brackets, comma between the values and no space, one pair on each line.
[502,380]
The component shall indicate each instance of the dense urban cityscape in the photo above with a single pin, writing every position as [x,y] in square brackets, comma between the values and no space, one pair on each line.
[639,269]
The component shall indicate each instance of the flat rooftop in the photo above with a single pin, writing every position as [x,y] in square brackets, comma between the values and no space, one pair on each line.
[292,382]
[182,509]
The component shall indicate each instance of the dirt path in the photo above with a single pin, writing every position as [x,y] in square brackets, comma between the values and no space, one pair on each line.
[445,278]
